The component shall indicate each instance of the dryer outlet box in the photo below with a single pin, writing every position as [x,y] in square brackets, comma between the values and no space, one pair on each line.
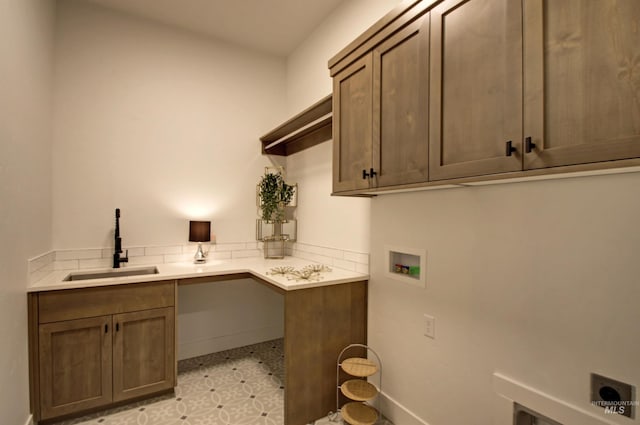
[613,396]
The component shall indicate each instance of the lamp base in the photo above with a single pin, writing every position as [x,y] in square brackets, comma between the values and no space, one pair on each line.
[200,256]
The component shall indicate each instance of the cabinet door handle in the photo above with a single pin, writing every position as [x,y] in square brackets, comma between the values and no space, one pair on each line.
[365,175]
[372,172]
[106,328]
[528,145]
[510,149]
[117,327]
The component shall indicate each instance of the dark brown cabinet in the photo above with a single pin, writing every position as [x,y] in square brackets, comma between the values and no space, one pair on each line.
[75,365]
[93,347]
[476,88]
[470,90]
[581,81]
[352,125]
[549,90]
[380,107]
[143,353]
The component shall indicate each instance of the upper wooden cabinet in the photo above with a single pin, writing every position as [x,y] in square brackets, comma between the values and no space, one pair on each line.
[352,125]
[494,88]
[400,106]
[582,81]
[476,87]
[380,105]
[568,58]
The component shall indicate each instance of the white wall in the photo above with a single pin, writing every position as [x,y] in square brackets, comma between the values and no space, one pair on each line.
[26,29]
[323,220]
[164,124]
[159,122]
[220,315]
[537,281]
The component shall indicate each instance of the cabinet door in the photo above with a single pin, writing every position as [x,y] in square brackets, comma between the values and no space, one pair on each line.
[352,125]
[143,353]
[400,106]
[75,365]
[476,88]
[582,81]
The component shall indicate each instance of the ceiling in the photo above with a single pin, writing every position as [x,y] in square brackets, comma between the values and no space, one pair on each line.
[271,26]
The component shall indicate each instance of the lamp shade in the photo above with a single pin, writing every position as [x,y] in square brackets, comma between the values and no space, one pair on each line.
[199,231]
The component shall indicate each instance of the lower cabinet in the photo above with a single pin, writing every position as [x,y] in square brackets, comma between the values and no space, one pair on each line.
[75,365]
[143,353]
[89,362]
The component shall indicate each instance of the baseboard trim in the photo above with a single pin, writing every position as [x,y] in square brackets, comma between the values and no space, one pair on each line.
[398,413]
[29,420]
[189,349]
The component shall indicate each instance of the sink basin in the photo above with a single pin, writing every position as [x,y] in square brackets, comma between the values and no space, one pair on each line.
[111,273]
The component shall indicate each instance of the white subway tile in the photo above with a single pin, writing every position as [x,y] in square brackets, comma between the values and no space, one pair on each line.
[246,253]
[134,251]
[231,246]
[333,253]
[328,261]
[146,260]
[191,249]
[252,245]
[177,258]
[162,250]
[225,255]
[303,247]
[95,263]
[78,254]
[39,274]
[65,265]
[41,261]
[346,265]
[356,257]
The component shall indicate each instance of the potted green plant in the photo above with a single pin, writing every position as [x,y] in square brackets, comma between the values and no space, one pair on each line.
[275,195]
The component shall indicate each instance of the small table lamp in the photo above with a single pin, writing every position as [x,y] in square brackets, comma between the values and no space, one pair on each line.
[199,231]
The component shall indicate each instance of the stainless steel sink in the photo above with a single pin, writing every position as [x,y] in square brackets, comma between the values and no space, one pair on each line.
[111,273]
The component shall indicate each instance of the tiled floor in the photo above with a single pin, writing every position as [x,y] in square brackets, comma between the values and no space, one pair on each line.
[243,386]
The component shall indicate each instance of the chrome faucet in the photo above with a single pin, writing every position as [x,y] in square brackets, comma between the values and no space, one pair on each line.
[118,245]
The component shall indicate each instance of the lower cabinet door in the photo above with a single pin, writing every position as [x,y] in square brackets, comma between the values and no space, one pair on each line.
[143,353]
[75,365]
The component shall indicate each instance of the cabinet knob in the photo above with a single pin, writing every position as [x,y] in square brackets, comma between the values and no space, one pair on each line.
[365,175]
[510,149]
[372,172]
[528,145]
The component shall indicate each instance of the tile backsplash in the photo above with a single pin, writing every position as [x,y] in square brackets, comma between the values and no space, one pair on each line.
[97,258]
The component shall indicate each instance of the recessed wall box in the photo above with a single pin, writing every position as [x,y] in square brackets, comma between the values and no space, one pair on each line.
[408,265]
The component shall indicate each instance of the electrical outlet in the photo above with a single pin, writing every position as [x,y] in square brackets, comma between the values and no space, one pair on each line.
[429,326]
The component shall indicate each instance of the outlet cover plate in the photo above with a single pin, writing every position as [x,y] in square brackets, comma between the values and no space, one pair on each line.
[429,326]
[613,396]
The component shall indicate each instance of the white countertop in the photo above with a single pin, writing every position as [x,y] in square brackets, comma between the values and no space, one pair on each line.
[258,267]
